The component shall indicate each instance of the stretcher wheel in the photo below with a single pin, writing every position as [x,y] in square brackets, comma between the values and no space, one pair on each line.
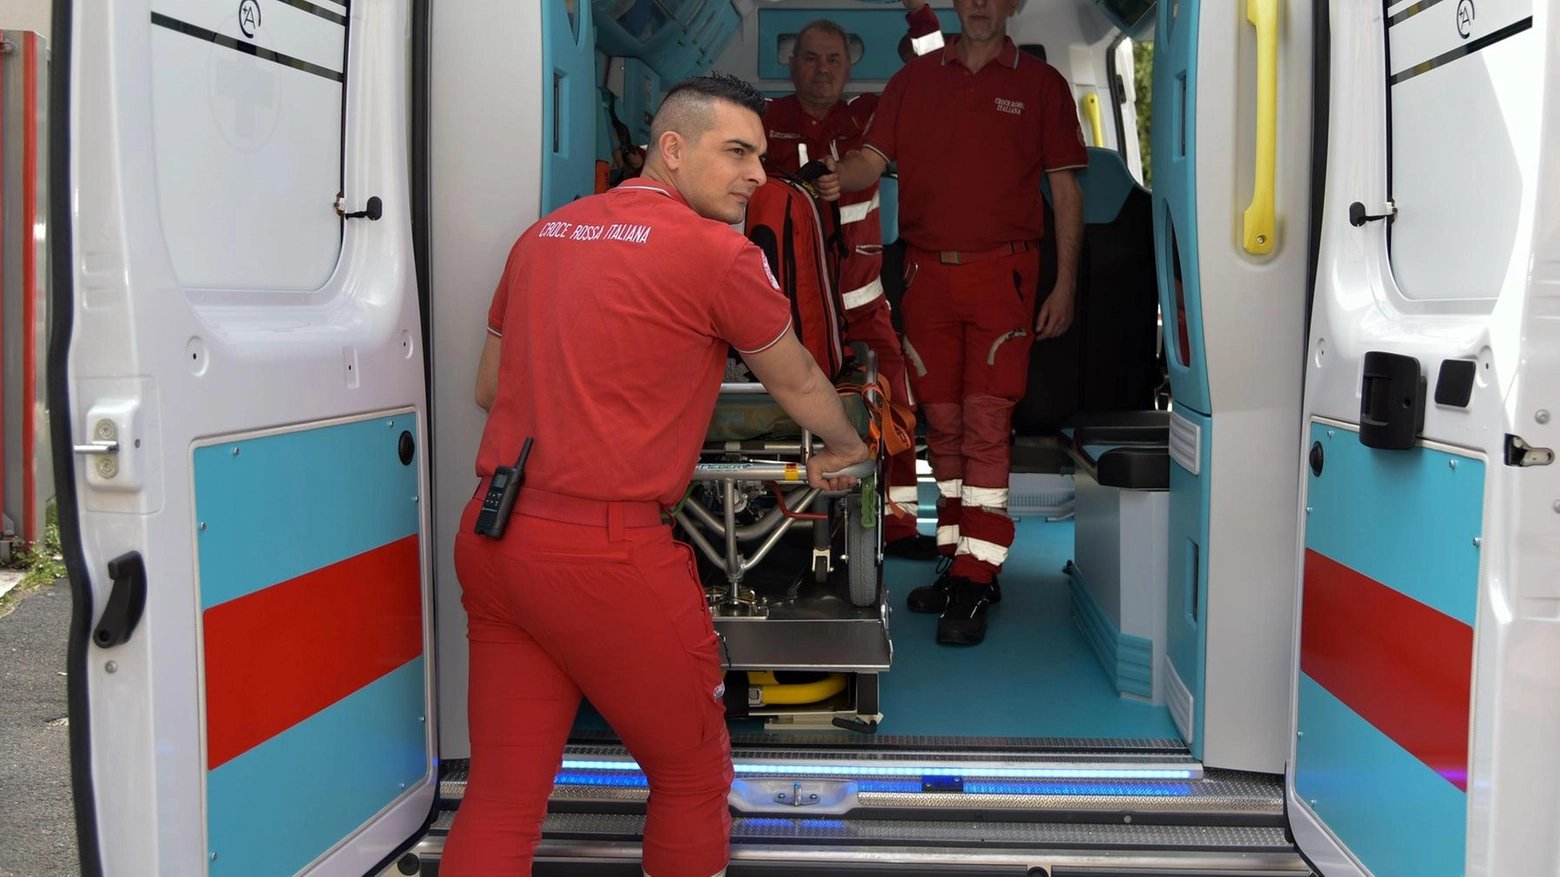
[861,546]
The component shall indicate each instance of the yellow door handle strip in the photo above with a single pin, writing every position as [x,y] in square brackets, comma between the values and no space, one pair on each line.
[1258,233]
[1091,111]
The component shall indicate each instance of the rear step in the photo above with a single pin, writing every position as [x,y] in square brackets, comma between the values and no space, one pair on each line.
[1076,809]
[607,845]
[1160,789]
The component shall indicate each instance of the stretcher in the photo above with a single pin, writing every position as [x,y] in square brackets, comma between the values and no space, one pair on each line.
[793,574]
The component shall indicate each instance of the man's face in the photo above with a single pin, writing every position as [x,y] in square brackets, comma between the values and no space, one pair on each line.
[983,20]
[718,171]
[820,66]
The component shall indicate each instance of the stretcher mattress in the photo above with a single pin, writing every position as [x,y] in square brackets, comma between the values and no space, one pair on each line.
[748,416]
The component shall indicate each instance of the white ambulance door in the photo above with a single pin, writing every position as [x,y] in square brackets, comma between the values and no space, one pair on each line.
[237,384]
[1428,622]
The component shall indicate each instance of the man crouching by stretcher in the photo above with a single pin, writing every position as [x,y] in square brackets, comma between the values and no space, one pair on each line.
[607,340]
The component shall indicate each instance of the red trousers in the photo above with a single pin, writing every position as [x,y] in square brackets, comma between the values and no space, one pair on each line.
[968,330]
[616,612]
[872,325]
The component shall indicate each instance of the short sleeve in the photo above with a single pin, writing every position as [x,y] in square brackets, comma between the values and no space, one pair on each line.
[748,310]
[1061,136]
[880,135]
[500,304]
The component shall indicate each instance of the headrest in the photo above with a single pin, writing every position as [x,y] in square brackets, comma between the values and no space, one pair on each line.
[1105,184]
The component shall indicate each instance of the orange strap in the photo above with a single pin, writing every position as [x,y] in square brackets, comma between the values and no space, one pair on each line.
[891,426]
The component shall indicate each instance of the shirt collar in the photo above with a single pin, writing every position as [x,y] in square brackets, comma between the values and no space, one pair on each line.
[1008,57]
[644,184]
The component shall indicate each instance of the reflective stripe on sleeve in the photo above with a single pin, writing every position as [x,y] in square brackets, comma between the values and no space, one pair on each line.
[929,43]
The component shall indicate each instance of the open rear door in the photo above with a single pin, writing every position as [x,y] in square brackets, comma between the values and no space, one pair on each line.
[237,387]
[1428,631]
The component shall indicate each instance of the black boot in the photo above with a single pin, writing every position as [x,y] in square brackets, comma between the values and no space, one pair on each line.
[963,622]
[929,599]
[932,599]
[917,547]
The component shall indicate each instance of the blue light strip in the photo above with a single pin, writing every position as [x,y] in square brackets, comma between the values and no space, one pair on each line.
[614,780]
[1109,790]
[889,786]
[1051,773]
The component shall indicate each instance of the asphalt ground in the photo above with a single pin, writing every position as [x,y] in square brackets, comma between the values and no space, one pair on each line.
[37,825]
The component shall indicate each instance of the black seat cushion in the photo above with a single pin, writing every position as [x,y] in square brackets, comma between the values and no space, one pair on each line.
[1134,468]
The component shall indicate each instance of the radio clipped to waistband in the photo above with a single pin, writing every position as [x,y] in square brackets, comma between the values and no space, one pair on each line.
[501,493]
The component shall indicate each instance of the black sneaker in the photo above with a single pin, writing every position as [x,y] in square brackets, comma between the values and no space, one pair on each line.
[963,622]
[917,547]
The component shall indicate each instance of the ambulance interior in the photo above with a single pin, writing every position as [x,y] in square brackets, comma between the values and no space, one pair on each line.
[1128,670]
[1285,573]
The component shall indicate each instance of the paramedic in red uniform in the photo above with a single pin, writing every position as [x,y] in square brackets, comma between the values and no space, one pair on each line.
[807,126]
[607,340]
[985,122]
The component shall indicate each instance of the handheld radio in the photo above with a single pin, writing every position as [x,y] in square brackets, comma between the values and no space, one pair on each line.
[500,499]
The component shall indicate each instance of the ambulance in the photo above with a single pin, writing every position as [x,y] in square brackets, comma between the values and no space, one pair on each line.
[1296,611]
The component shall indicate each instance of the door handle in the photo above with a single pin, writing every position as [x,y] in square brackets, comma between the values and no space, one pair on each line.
[1258,233]
[126,601]
[1091,110]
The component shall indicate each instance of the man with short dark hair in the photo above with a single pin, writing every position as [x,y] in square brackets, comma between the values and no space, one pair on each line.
[815,123]
[607,340]
[985,123]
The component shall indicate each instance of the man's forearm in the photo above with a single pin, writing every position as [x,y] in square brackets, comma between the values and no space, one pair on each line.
[816,407]
[1067,206]
[791,376]
[860,170]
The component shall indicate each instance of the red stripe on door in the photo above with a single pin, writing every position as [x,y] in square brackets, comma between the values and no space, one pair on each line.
[279,655]
[1402,666]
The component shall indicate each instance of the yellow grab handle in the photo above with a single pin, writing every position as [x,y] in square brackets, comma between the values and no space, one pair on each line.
[1091,110]
[1258,233]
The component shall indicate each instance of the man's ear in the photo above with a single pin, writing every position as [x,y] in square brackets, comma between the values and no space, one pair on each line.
[671,146]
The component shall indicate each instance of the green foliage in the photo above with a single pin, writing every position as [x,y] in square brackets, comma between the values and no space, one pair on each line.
[1143,76]
[42,559]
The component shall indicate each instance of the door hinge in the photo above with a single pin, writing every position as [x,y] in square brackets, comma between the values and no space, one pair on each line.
[1520,453]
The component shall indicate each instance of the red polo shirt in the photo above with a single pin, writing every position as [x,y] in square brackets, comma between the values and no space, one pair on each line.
[972,147]
[615,313]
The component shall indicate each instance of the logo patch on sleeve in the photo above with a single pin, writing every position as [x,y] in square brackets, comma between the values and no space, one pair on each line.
[764,260]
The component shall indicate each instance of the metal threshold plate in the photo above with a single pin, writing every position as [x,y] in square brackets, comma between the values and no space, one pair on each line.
[907,847]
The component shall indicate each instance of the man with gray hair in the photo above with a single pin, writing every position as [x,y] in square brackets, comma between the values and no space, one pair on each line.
[817,122]
[585,592]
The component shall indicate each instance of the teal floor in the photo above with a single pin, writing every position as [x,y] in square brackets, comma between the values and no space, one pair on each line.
[1034,676]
